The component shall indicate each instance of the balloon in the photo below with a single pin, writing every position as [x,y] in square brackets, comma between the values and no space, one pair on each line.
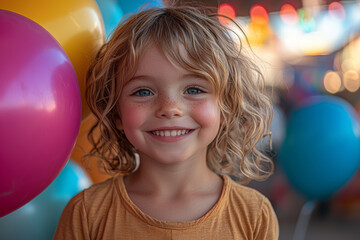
[82,147]
[111,13]
[39,218]
[321,153]
[76,25]
[40,110]
[138,5]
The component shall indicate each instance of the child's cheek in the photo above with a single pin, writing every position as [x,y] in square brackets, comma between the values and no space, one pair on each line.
[133,116]
[207,114]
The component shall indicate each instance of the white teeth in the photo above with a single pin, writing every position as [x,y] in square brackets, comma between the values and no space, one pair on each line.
[172,133]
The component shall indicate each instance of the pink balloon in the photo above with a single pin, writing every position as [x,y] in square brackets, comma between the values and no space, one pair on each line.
[40,110]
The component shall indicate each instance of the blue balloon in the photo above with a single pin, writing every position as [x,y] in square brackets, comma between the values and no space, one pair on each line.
[38,219]
[111,13]
[321,150]
[135,6]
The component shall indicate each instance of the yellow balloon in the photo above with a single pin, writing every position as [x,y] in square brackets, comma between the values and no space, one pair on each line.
[83,146]
[77,25]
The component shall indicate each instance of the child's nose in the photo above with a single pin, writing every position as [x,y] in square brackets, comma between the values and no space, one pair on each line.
[169,108]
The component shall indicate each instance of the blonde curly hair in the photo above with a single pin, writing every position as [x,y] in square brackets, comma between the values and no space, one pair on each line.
[214,54]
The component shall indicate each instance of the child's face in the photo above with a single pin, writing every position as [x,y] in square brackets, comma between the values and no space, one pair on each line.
[168,114]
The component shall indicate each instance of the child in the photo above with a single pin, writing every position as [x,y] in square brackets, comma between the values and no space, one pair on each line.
[180,108]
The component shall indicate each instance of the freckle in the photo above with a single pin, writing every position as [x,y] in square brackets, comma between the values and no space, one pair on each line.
[195,106]
[139,104]
[165,101]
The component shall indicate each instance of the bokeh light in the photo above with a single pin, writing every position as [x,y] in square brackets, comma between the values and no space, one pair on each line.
[306,21]
[332,82]
[228,11]
[351,81]
[348,64]
[289,14]
[259,15]
[336,10]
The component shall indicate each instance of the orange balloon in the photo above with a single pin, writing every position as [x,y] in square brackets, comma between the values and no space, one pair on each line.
[82,147]
[77,25]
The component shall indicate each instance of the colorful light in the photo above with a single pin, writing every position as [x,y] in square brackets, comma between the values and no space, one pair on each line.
[306,21]
[332,82]
[351,81]
[336,10]
[289,14]
[259,15]
[228,11]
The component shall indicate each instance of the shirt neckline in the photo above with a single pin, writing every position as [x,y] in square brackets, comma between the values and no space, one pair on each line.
[136,211]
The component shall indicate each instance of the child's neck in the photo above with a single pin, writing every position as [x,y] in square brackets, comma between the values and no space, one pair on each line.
[172,180]
[174,196]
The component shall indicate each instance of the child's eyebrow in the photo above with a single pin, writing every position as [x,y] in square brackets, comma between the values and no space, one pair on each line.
[192,75]
[196,77]
[140,77]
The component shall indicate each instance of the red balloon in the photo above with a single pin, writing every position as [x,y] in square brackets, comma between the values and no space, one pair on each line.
[40,110]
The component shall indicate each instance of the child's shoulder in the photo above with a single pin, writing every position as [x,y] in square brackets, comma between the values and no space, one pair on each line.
[246,197]
[251,208]
[241,189]
[97,195]
[102,186]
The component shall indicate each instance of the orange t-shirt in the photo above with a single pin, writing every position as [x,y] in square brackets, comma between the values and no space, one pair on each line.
[105,211]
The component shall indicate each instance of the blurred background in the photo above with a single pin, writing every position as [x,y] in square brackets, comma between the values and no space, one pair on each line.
[309,51]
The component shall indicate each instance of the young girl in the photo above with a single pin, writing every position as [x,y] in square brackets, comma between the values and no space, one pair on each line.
[180,109]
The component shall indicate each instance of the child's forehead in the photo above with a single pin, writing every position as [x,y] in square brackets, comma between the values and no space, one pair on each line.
[154,61]
[175,53]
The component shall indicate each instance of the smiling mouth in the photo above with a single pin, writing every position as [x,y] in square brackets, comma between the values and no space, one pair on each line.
[170,133]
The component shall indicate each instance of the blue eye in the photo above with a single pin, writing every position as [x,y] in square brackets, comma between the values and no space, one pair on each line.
[193,90]
[143,93]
